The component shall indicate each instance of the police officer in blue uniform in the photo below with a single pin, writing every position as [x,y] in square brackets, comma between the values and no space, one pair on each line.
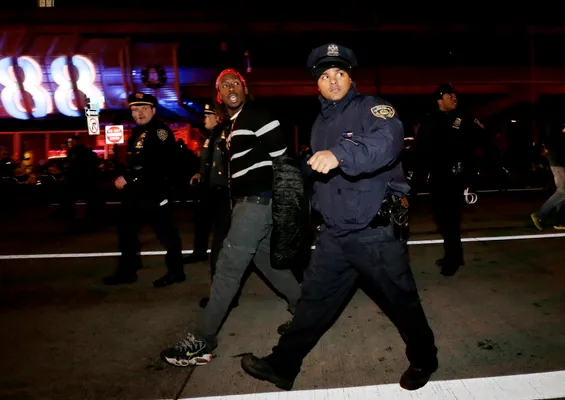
[146,184]
[445,150]
[359,190]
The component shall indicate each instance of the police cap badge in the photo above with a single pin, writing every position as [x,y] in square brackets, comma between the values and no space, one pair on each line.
[139,99]
[330,56]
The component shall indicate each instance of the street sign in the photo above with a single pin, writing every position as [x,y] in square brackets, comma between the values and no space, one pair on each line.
[114,134]
[93,126]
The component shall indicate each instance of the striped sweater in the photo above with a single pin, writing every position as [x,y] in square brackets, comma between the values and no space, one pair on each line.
[255,140]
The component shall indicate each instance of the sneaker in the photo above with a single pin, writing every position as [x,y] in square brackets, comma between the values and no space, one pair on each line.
[189,351]
[537,221]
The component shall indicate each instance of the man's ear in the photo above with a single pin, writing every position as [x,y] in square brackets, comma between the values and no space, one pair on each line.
[246,91]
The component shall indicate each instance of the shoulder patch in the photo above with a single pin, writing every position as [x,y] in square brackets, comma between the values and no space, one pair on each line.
[162,134]
[383,111]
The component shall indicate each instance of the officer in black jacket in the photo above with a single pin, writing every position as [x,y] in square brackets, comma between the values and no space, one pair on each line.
[147,184]
[359,190]
[445,149]
[213,210]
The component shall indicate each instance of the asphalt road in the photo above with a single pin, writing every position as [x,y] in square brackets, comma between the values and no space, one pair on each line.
[64,335]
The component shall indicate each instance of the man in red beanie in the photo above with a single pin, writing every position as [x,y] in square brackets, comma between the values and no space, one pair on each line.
[255,143]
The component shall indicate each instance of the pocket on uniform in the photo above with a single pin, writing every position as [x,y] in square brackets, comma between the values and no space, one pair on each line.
[390,260]
[355,196]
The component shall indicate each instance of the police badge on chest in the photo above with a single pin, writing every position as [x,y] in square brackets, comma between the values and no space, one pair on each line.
[456,123]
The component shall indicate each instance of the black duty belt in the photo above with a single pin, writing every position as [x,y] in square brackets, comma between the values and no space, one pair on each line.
[254,199]
[394,209]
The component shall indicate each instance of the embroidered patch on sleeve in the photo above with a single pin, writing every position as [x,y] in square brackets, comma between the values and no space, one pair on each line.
[383,111]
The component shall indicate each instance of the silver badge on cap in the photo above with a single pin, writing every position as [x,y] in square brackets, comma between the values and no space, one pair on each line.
[333,50]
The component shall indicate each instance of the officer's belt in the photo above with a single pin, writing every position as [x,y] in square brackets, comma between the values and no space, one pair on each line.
[253,199]
[393,209]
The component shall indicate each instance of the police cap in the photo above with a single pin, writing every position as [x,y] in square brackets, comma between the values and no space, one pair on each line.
[330,56]
[141,99]
[444,88]
[209,110]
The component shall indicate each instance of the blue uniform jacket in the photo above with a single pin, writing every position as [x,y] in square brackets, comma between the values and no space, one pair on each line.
[367,137]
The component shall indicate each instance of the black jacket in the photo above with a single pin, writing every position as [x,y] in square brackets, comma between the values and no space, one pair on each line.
[290,245]
[152,161]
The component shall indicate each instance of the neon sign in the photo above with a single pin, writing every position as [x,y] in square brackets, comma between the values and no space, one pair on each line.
[32,82]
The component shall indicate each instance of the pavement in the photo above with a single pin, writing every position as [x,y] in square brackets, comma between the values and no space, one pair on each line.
[65,335]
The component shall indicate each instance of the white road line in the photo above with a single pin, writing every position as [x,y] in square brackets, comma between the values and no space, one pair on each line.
[82,203]
[162,252]
[495,191]
[545,385]
[113,203]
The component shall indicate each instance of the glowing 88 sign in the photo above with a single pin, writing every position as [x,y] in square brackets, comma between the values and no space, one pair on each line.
[43,100]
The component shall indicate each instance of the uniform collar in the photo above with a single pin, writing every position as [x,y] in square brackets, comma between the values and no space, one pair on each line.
[329,106]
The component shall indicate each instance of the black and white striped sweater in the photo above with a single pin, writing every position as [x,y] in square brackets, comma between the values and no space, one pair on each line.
[255,140]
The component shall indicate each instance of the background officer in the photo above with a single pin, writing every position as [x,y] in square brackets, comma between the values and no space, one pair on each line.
[213,210]
[357,141]
[445,149]
[82,178]
[147,184]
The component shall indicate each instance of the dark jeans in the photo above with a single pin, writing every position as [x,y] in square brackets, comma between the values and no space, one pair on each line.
[556,201]
[248,240]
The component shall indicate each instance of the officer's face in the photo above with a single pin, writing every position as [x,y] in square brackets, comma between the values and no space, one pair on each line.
[232,91]
[210,121]
[448,102]
[334,84]
[142,114]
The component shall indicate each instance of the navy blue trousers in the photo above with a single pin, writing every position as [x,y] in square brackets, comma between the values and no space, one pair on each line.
[379,262]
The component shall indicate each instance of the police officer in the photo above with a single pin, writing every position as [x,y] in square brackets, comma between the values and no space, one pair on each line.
[82,178]
[214,208]
[445,150]
[356,142]
[146,185]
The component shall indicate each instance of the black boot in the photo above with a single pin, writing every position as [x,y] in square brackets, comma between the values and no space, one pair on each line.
[194,258]
[259,368]
[415,378]
[169,278]
[441,262]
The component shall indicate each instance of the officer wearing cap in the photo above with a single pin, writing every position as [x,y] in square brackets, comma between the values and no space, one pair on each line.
[152,157]
[359,190]
[213,207]
[444,149]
